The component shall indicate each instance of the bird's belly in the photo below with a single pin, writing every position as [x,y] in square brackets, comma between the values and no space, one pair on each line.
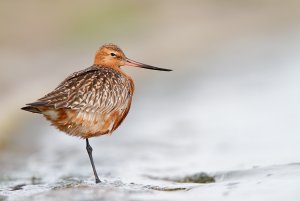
[83,124]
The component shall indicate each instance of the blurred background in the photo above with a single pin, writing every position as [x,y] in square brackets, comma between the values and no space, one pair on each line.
[231,103]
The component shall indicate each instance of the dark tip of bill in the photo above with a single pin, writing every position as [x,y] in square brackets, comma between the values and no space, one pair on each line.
[155,68]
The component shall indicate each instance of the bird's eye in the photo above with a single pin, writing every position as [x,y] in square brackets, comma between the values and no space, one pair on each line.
[112,54]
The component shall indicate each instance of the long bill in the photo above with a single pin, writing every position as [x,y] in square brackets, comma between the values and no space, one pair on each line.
[130,62]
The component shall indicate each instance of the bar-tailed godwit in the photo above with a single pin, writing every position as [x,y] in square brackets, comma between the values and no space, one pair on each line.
[93,101]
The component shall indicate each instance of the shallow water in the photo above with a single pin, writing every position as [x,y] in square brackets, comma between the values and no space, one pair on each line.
[248,184]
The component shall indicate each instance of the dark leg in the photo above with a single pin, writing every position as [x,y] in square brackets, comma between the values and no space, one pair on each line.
[90,150]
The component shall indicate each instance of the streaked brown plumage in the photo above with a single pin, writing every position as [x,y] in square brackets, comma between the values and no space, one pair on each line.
[93,101]
[88,103]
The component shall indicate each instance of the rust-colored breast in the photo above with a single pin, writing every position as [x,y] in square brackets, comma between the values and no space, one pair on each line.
[89,103]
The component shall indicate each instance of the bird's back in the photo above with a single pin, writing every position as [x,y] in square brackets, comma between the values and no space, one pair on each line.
[88,103]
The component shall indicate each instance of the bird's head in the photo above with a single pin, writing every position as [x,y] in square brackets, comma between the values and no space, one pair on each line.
[110,55]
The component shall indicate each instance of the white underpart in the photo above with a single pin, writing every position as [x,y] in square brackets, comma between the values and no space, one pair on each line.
[52,114]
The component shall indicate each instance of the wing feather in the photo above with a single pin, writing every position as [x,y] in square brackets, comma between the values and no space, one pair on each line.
[101,90]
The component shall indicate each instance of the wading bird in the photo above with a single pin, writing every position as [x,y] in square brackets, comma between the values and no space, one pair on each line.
[93,101]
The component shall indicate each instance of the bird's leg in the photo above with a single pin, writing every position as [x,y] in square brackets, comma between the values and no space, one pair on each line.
[90,150]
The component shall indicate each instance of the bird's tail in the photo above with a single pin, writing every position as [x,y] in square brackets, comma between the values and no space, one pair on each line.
[31,109]
[35,107]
